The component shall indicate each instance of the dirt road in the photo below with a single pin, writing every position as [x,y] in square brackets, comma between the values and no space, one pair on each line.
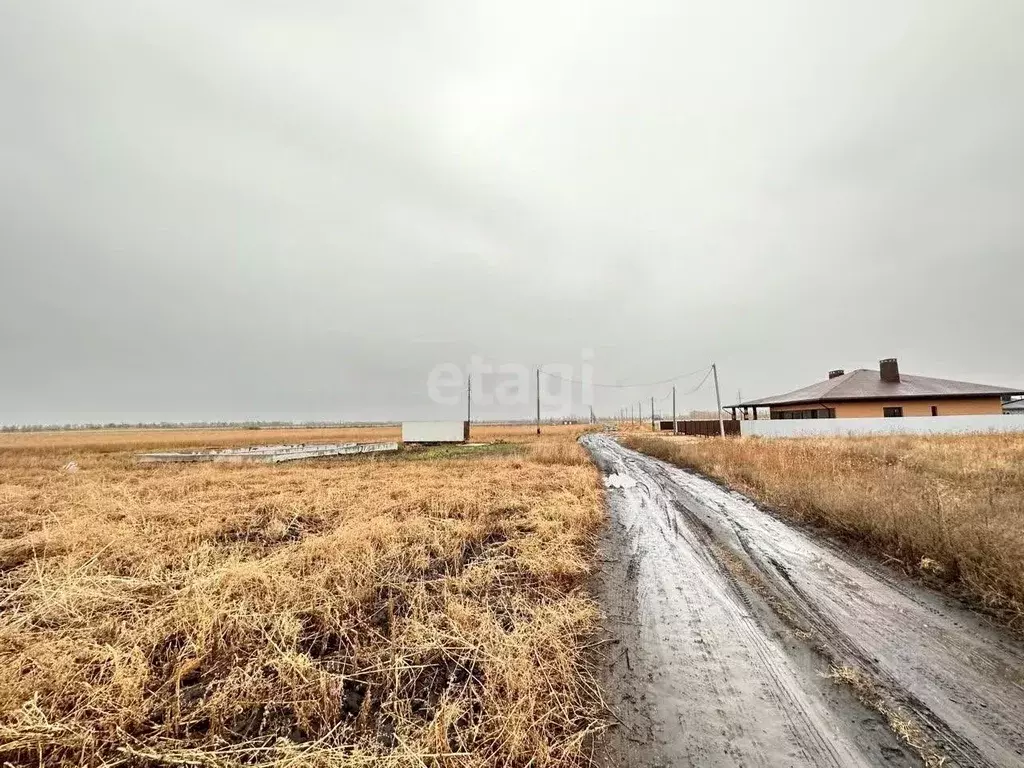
[725,623]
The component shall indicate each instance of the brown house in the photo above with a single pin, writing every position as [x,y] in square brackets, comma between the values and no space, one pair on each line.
[885,392]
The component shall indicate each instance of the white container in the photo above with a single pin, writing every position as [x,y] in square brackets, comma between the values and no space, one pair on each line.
[435,431]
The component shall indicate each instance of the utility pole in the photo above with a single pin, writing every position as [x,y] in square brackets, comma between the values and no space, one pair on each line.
[538,401]
[718,400]
[469,399]
[675,424]
[652,413]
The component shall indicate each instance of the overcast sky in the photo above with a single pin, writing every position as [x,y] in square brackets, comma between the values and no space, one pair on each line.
[255,209]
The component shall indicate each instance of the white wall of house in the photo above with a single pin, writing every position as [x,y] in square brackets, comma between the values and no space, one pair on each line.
[919,425]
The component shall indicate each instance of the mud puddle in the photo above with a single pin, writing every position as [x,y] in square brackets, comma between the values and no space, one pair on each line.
[726,623]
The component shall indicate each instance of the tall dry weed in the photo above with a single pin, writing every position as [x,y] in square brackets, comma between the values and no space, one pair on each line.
[560,452]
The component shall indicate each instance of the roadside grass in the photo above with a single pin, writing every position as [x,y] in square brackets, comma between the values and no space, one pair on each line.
[388,612]
[903,723]
[948,508]
[434,452]
[569,453]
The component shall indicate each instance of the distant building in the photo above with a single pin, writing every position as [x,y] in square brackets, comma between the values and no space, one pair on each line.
[885,392]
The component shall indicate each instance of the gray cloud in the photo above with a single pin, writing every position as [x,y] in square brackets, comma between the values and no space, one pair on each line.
[264,210]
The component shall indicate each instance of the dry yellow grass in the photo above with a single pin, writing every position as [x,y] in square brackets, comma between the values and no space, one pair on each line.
[559,452]
[948,507]
[113,440]
[634,427]
[357,612]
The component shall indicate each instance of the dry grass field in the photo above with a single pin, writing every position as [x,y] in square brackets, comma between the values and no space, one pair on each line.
[362,611]
[949,508]
[114,440]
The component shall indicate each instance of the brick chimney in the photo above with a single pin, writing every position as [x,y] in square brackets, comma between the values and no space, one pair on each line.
[889,370]
[837,372]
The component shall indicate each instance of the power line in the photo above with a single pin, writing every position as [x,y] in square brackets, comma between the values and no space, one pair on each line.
[702,382]
[631,386]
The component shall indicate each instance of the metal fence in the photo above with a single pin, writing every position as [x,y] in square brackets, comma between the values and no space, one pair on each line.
[702,427]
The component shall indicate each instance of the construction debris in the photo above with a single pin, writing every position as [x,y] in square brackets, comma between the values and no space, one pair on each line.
[269,454]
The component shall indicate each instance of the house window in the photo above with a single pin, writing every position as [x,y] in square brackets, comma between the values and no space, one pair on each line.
[893,412]
[810,413]
[935,410]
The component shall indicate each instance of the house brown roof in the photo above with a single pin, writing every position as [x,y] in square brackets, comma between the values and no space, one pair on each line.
[865,384]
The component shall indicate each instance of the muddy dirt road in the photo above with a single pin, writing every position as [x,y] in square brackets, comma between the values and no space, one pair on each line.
[725,623]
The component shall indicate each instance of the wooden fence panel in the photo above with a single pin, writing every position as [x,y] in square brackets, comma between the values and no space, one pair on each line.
[702,427]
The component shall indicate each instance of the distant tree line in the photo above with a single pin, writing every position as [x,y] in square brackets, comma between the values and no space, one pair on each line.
[193,425]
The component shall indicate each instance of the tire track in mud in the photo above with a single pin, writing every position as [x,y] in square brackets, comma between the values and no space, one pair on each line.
[716,677]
